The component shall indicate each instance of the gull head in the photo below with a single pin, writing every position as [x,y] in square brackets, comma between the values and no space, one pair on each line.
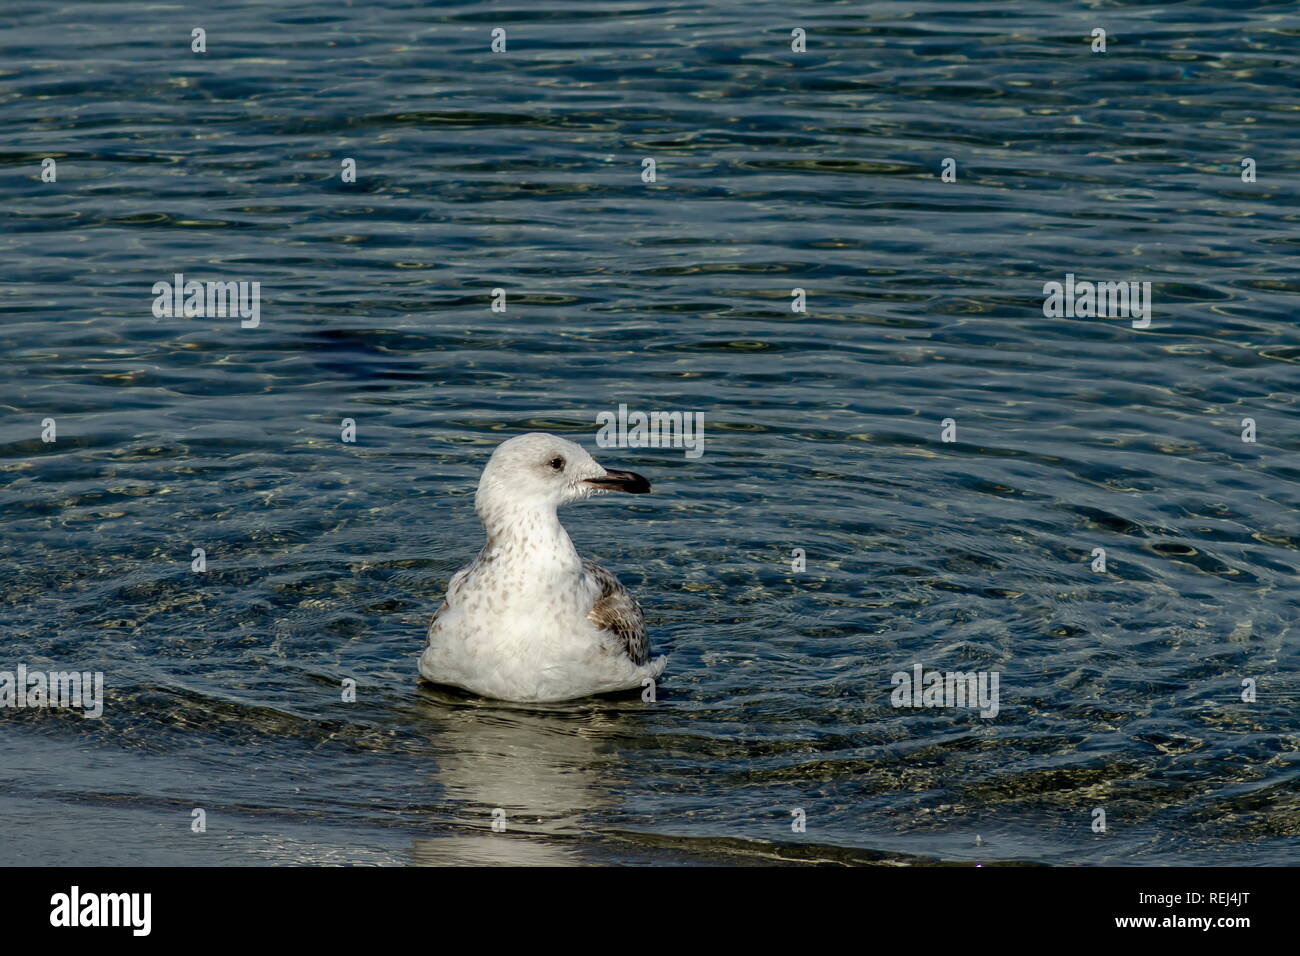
[538,471]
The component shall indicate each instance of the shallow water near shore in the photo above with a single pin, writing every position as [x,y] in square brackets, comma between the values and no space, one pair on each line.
[775,170]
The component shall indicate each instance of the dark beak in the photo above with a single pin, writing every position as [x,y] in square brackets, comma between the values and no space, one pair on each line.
[628,481]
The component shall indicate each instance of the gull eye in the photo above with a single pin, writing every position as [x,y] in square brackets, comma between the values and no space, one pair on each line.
[557,463]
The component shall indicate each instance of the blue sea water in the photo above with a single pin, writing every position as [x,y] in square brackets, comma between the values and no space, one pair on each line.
[774,170]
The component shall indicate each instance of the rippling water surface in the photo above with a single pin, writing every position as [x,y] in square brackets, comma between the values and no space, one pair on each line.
[775,170]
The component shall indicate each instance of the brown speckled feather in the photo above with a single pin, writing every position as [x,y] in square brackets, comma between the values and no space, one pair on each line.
[616,611]
[432,624]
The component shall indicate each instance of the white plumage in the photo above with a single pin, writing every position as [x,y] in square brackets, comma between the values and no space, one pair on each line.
[528,619]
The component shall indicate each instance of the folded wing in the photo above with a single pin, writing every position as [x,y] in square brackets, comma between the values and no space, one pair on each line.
[617,612]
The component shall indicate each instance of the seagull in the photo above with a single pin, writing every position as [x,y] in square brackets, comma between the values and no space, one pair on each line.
[528,619]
